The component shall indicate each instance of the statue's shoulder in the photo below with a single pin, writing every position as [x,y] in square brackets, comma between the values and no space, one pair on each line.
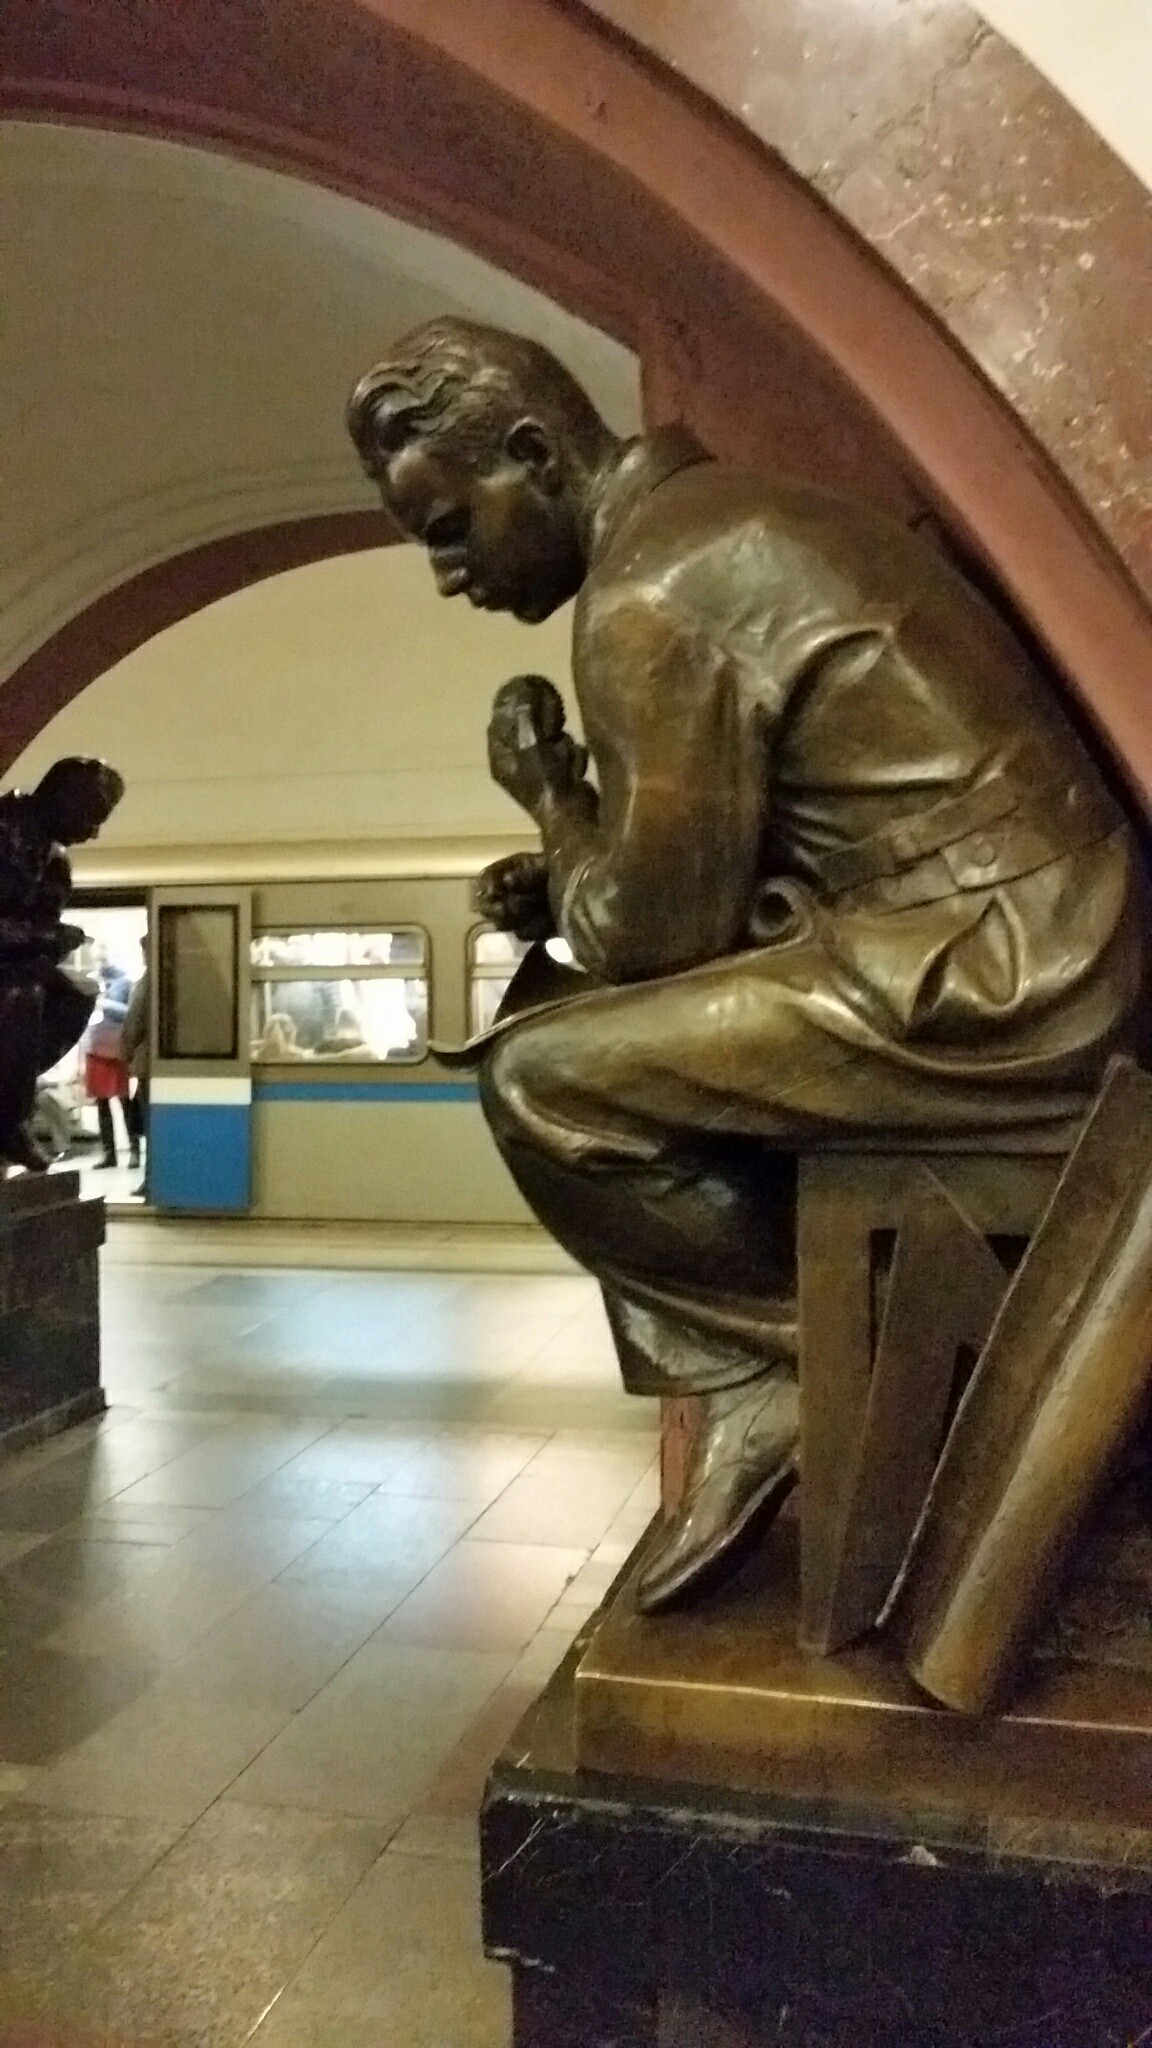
[705,506]
[715,505]
[19,826]
[710,527]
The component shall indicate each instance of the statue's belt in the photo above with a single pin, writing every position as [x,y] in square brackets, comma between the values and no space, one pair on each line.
[992,833]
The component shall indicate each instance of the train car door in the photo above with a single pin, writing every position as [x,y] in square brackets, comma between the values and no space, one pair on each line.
[200,1112]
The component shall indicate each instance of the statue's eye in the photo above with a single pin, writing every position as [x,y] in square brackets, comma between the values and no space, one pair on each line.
[391,428]
[448,529]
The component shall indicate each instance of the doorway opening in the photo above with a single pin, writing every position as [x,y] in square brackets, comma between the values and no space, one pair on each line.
[91,1106]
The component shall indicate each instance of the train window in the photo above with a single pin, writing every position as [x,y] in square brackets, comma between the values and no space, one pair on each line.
[340,995]
[493,958]
[199,967]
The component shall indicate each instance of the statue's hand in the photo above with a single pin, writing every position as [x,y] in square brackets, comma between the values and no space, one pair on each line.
[25,941]
[513,895]
[529,753]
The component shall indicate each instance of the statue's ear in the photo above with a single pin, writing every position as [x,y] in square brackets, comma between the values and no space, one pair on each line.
[530,443]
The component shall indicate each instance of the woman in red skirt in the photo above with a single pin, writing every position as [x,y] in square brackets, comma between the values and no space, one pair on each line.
[106,1075]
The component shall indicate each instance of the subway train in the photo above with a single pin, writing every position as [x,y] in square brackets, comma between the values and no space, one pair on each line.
[293,1001]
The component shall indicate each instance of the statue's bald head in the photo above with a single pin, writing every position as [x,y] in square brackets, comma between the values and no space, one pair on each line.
[455,377]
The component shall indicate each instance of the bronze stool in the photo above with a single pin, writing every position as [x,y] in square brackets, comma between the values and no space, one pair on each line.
[904,1259]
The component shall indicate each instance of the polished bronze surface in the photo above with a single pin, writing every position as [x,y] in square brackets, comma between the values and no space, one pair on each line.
[864,1487]
[724,1696]
[1058,1392]
[741,1465]
[843,875]
[43,1010]
[944,1287]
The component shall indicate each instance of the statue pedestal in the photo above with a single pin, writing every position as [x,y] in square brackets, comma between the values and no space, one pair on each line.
[49,1306]
[722,1695]
[701,1838]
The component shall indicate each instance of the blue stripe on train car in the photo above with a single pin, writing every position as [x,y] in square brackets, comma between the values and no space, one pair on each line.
[200,1155]
[365,1091]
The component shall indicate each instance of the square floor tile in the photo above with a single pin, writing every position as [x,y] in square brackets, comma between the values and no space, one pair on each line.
[281,1646]
[50,1701]
[60,1873]
[486,1596]
[395,1537]
[351,1454]
[373,1739]
[446,1837]
[474,1465]
[199,1950]
[197,1583]
[545,1510]
[405,1952]
[217,1472]
[165,1757]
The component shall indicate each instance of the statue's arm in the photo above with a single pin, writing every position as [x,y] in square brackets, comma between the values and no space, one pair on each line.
[658,874]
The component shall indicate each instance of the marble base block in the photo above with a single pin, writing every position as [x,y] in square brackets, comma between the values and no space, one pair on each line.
[49,1306]
[651,1912]
[704,1837]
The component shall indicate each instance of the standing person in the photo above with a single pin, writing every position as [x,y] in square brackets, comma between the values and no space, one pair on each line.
[137,1052]
[105,1067]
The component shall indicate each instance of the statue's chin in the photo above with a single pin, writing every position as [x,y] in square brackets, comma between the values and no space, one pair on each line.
[531,610]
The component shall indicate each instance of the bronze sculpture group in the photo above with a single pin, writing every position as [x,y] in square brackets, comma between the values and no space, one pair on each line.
[43,1008]
[846,875]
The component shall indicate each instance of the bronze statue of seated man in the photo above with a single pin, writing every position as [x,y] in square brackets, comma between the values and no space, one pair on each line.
[846,872]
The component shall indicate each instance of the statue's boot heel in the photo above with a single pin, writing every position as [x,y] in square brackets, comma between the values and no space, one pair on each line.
[742,1467]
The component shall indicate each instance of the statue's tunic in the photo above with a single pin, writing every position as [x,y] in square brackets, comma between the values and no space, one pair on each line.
[853,878]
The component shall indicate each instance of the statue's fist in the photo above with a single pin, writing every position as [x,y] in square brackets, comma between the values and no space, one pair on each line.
[529,753]
[513,895]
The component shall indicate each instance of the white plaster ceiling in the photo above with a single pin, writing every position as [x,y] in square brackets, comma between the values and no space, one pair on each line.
[178,333]
[344,700]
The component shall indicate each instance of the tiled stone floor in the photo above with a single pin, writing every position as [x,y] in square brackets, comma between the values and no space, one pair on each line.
[264,1628]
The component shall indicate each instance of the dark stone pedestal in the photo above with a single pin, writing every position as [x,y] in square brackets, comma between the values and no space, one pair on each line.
[49,1306]
[640,1914]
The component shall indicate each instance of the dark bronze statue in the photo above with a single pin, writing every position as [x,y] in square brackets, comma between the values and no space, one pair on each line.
[43,1009]
[845,876]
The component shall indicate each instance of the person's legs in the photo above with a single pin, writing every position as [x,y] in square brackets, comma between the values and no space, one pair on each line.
[107,1132]
[140,1106]
[653,1129]
[619,1118]
[130,1111]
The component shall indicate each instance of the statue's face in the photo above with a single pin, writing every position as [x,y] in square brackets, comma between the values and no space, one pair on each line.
[81,809]
[502,533]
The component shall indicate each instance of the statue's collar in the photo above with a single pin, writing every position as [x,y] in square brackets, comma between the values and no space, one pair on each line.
[644,465]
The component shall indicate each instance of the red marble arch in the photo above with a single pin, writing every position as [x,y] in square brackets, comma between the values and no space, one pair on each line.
[124,618]
[528,130]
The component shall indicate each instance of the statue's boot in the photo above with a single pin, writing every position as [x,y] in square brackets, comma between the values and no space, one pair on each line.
[741,1467]
[21,1148]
